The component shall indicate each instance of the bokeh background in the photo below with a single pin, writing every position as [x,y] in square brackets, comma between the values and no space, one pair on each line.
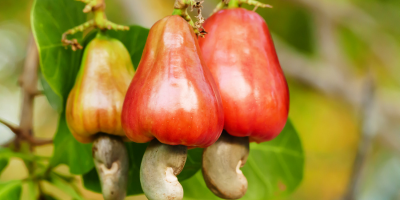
[342,62]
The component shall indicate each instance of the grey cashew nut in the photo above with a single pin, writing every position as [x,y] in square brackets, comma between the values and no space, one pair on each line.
[160,165]
[112,164]
[221,166]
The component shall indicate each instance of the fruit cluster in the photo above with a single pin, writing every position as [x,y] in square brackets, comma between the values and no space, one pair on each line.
[187,91]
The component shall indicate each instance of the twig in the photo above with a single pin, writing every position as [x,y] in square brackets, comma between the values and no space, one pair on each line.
[367,135]
[28,82]
[11,127]
[100,22]
[38,142]
[32,141]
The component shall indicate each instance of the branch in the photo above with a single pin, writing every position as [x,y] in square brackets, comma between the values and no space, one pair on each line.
[367,135]
[38,142]
[28,82]
[11,127]
[33,141]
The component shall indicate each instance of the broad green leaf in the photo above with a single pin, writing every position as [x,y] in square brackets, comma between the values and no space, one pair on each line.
[10,190]
[136,151]
[49,20]
[273,169]
[69,151]
[65,186]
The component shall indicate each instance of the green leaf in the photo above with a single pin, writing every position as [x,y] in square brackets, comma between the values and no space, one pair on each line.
[10,190]
[192,165]
[3,164]
[91,181]
[136,151]
[273,169]
[55,101]
[49,20]
[69,151]
[65,186]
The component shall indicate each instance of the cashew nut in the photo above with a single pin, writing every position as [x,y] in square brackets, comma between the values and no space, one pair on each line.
[111,162]
[160,165]
[221,166]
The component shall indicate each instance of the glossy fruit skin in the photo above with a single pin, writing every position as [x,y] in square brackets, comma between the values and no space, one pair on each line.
[241,55]
[173,96]
[95,102]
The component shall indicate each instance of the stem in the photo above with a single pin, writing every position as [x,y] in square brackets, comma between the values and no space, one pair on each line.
[100,22]
[28,83]
[233,4]
[180,8]
[238,3]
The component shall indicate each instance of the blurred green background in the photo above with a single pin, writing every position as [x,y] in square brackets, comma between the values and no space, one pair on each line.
[329,51]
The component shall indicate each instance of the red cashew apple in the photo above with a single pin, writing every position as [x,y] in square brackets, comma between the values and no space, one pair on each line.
[173,98]
[241,56]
